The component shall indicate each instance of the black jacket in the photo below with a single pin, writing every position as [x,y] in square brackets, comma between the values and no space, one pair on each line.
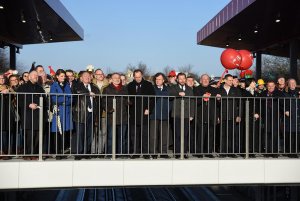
[207,109]
[229,103]
[121,103]
[29,117]
[82,102]
[138,105]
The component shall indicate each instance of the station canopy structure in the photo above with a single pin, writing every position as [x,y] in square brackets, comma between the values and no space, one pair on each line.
[261,26]
[25,22]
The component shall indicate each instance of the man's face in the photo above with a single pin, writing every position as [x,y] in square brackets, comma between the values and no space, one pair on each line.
[138,77]
[86,78]
[261,87]
[33,77]
[281,81]
[116,79]
[292,84]
[99,75]
[204,80]
[190,81]
[172,80]
[70,76]
[271,86]
[181,79]
[229,81]
[235,82]
[159,80]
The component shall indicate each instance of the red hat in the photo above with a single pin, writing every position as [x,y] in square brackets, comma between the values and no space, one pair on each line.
[172,73]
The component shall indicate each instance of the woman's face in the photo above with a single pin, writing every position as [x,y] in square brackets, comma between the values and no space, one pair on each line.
[61,77]
[25,77]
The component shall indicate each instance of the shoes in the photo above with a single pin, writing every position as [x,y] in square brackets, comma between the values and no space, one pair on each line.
[77,158]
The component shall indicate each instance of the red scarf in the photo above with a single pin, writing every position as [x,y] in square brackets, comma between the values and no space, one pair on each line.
[117,87]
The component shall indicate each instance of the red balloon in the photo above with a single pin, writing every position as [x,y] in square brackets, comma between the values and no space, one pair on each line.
[247,60]
[242,74]
[230,59]
[248,72]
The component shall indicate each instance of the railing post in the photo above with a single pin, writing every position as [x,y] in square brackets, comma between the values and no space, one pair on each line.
[41,128]
[247,128]
[114,126]
[182,131]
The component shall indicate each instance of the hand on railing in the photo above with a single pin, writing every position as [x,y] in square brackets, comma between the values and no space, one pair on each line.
[191,118]
[287,113]
[146,112]
[33,106]
[238,119]
[181,94]
[256,116]
[218,96]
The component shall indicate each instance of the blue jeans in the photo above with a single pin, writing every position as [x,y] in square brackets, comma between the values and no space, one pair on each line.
[121,139]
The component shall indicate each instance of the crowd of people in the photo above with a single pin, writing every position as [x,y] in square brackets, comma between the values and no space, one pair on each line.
[166,114]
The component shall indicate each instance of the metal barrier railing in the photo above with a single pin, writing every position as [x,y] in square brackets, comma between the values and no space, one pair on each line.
[65,125]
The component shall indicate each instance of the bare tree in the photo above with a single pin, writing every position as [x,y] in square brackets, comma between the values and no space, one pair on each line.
[143,67]
[273,66]
[4,62]
[166,70]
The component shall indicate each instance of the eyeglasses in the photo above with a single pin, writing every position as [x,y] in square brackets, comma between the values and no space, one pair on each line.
[14,80]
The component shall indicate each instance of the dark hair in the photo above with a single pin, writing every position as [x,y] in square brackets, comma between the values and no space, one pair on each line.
[80,73]
[98,69]
[271,81]
[69,71]
[227,76]
[115,74]
[159,74]
[39,66]
[138,71]
[16,76]
[249,81]
[108,76]
[190,76]
[281,76]
[24,74]
[60,71]
[180,74]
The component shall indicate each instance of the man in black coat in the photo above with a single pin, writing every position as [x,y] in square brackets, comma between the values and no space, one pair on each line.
[182,92]
[206,117]
[139,112]
[86,107]
[291,120]
[229,113]
[28,102]
[116,88]
[272,111]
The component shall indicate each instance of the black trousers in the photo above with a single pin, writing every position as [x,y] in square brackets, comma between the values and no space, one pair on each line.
[139,135]
[158,136]
[178,135]
[31,142]
[227,136]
